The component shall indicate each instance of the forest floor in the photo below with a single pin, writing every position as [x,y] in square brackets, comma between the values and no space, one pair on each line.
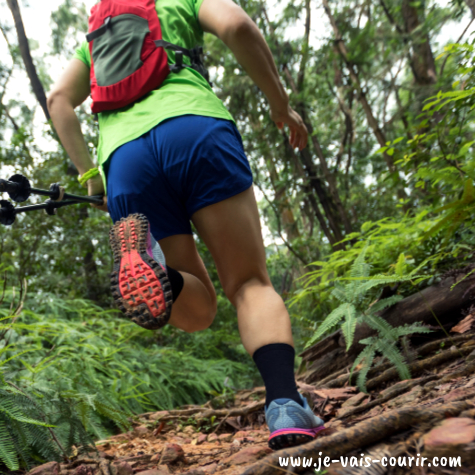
[431,415]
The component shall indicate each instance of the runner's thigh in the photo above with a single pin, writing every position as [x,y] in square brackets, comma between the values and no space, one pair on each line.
[232,232]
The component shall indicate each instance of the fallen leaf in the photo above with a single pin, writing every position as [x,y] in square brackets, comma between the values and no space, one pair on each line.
[158,429]
[233,422]
[336,393]
[465,325]
[305,387]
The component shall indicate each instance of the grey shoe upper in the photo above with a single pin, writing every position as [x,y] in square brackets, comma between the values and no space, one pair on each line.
[157,252]
[285,414]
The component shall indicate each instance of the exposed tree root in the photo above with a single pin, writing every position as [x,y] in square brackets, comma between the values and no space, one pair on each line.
[340,381]
[361,435]
[243,411]
[398,390]
[321,348]
[342,372]
[419,366]
[200,414]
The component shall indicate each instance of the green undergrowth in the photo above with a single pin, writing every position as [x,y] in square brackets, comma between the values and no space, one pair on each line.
[84,371]
[405,252]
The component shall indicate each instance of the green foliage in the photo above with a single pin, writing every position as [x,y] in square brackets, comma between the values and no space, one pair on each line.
[354,294]
[417,219]
[353,309]
[38,425]
[385,344]
[83,373]
[79,346]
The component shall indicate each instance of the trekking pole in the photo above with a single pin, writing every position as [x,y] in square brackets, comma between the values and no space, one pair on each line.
[8,212]
[19,189]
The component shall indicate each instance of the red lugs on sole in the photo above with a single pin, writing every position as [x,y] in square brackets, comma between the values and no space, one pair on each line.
[139,284]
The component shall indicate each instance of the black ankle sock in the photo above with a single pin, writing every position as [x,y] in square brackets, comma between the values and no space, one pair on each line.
[275,362]
[176,282]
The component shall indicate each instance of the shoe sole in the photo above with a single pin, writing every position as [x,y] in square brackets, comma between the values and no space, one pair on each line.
[285,438]
[139,284]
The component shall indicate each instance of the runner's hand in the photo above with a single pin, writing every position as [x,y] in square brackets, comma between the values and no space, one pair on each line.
[95,186]
[298,131]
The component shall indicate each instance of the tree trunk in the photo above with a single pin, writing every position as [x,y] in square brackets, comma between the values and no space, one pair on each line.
[471,5]
[373,123]
[308,190]
[361,94]
[36,85]
[330,202]
[422,59]
[282,202]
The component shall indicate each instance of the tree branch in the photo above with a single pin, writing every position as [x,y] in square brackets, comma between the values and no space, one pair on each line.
[305,48]
[36,85]
[279,226]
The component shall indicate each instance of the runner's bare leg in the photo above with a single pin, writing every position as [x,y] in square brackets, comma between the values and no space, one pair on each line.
[231,230]
[195,307]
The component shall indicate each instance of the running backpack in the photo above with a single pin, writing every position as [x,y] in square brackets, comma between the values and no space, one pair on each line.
[128,58]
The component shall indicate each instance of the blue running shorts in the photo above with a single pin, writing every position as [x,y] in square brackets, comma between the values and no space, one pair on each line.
[180,166]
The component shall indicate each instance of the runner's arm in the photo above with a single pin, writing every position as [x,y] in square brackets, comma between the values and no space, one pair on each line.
[71,90]
[235,28]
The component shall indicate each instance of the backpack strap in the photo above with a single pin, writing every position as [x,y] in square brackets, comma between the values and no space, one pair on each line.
[194,54]
[100,31]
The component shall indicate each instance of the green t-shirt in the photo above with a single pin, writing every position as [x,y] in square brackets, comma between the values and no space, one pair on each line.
[185,92]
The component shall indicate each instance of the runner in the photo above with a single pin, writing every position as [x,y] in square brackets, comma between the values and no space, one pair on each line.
[175,156]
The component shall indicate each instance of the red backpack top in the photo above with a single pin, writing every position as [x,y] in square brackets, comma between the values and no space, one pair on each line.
[128,59]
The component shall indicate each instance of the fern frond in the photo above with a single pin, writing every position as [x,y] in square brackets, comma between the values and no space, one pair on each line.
[409,329]
[10,410]
[379,324]
[360,268]
[366,357]
[7,448]
[391,352]
[330,321]
[382,279]
[385,303]
[349,325]
[400,268]
[339,292]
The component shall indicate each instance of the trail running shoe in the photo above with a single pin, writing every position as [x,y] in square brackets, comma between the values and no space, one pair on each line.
[139,283]
[291,424]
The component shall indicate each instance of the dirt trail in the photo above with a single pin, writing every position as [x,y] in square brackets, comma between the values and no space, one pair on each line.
[432,414]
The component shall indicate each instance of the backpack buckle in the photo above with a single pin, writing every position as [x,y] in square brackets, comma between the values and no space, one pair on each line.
[100,31]
[178,66]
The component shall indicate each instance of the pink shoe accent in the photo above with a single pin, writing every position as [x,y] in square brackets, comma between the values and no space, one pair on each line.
[295,430]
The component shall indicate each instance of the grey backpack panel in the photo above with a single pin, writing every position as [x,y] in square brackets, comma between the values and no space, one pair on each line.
[116,53]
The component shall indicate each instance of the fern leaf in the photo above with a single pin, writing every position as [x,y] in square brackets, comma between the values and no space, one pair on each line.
[330,321]
[381,279]
[379,324]
[365,357]
[385,303]
[400,268]
[412,328]
[395,356]
[339,292]
[7,448]
[360,268]
[349,325]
